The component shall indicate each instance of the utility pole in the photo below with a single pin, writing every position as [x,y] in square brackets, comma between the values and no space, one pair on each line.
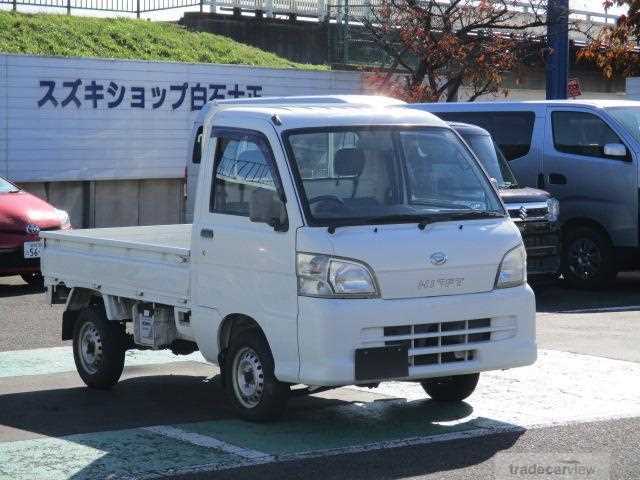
[557,68]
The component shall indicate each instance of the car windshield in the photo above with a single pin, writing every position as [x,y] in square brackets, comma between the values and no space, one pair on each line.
[629,117]
[385,175]
[491,158]
[6,187]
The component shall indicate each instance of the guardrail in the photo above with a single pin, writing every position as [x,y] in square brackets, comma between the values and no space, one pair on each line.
[315,9]
[323,10]
[116,6]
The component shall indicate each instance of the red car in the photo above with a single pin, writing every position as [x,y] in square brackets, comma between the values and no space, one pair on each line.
[22,216]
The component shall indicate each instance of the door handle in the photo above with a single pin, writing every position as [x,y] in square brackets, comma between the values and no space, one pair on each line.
[557,179]
[206,233]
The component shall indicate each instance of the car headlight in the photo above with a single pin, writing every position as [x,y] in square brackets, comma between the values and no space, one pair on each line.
[513,268]
[63,216]
[553,206]
[326,276]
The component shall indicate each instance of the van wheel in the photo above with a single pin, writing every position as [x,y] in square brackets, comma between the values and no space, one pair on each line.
[251,385]
[98,348]
[451,389]
[588,261]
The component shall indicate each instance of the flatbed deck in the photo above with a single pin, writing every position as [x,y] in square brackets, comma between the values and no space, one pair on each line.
[148,263]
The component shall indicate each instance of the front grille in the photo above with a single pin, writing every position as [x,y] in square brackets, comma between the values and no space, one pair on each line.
[530,213]
[441,342]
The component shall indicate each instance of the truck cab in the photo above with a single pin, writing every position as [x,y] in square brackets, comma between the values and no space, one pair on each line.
[331,245]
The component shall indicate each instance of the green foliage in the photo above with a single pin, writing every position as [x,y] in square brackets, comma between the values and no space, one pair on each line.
[72,36]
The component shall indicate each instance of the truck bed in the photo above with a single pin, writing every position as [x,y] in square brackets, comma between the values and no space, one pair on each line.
[146,263]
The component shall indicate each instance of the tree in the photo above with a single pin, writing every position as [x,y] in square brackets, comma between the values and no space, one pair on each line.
[614,48]
[436,50]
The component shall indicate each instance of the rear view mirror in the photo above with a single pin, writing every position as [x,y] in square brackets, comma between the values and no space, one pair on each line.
[615,150]
[267,207]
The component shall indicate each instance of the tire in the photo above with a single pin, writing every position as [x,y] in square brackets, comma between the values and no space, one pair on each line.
[451,389]
[588,260]
[35,279]
[98,348]
[256,396]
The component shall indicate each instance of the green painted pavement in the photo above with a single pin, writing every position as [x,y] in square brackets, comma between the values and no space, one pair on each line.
[341,427]
[106,455]
[45,361]
[143,452]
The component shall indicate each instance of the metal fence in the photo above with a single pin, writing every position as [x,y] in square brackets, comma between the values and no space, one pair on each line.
[321,9]
[115,6]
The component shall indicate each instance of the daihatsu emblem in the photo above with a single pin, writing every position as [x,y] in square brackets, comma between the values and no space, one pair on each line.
[438,258]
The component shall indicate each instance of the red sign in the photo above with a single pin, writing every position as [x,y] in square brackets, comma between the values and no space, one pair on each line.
[573,88]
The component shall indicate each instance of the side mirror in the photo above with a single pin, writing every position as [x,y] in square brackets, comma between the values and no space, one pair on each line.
[615,150]
[267,207]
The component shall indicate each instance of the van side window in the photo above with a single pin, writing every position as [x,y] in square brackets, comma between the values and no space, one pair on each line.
[197,147]
[512,131]
[581,133]
[241,167]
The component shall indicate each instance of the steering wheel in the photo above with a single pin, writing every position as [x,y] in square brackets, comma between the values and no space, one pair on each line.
[328,199]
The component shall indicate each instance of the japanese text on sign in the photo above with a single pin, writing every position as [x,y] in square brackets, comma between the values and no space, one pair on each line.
[93,94]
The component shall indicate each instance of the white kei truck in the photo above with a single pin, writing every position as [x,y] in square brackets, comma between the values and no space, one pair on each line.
[332,244]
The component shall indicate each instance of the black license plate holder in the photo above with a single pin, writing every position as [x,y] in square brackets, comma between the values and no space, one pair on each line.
[379,363]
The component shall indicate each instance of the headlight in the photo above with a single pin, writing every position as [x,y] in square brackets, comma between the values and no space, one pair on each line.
[513,268]
[63,216]
[553,206]
[325,276]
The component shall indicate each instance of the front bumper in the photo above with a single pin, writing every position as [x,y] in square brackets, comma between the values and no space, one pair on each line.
[447,335]
[13,263]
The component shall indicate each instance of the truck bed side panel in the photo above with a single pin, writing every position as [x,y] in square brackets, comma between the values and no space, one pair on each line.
[146,263]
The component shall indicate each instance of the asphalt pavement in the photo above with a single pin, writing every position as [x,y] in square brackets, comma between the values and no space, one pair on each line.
[168,417]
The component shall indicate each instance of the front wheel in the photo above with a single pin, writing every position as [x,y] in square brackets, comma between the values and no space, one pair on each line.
[251,385]
[588,258]
[451,389]
[98,348]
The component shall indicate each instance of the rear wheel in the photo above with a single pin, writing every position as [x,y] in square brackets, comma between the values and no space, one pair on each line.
[451,389]
[588,259]
[251,385]
[98,348]
[34,279]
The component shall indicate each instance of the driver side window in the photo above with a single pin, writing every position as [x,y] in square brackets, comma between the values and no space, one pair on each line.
[242,167]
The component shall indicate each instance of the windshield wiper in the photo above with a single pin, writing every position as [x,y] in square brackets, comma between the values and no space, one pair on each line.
[421,220]
[473,214]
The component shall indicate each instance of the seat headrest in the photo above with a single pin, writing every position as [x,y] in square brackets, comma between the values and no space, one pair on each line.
[251,156]
[348,162]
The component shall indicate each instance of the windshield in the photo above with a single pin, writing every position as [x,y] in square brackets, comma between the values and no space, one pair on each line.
[377,175]
[6,187]
[491,158]
[629,117]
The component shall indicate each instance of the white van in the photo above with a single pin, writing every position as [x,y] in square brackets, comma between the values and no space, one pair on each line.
[331,245]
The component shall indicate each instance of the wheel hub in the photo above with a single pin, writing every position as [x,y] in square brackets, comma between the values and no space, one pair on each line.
[584,258]
[90,348]
[248,377]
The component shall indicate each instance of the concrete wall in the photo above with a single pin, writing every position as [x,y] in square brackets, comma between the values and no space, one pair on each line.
[112,203]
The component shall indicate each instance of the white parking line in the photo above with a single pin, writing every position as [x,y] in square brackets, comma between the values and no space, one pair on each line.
[628,308]
[208,442]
